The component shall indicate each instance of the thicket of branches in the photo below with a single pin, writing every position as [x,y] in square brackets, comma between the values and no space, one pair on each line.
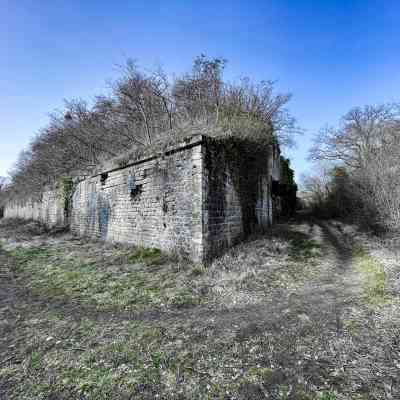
[145,108]
[3,183]
[366,178]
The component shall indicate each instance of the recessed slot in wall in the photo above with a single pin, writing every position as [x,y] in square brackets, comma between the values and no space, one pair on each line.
[275,188]
[103,178]
[133,188]
[136,190]
[165,206]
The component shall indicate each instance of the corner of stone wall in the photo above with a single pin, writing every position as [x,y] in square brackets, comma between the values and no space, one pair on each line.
[198,249]
[233,205]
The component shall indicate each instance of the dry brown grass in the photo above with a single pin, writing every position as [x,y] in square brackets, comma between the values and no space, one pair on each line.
[282,316]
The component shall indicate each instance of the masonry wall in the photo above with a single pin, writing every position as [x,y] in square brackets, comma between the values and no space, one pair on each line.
[236,192]
[153,203]
[200,198]
[50,209]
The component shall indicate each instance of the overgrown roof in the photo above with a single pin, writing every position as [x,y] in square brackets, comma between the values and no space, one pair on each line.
[175,140]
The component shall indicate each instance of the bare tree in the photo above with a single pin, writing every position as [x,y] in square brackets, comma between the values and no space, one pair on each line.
[197,95]
[3,181]
[145,108]
[361,133]
[146,100]
[254,110]
[367,143]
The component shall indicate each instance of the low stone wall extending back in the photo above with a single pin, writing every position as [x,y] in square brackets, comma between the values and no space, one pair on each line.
[49,209]
[197,198]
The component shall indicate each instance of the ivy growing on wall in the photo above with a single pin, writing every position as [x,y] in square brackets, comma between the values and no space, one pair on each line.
[65,188]
[288,187]
[246,162]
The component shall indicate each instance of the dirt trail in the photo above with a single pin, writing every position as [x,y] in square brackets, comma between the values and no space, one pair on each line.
[322,301]
[303,331]
[337,287]
[321,298]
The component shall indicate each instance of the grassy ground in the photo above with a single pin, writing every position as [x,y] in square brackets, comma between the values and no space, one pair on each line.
[303,313]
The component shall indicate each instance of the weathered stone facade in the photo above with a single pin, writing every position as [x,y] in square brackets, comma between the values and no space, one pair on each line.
[237,198]
[154,202]
[49,209]
[198,198]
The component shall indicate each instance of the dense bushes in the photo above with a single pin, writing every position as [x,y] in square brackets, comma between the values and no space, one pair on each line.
[146,108]
[287,188]
[365,181]
[329,193]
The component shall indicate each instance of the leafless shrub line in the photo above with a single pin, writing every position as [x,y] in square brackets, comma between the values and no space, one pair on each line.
[365,178]
[145,108]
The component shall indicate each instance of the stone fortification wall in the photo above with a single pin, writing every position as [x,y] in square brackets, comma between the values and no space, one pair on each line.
[237,192]
[197,198]
[49,209]
[153,202]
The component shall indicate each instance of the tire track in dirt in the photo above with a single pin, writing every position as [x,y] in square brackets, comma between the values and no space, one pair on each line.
[322,301]
[331,285]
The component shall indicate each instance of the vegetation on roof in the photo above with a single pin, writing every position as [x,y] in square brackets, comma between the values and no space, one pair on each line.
[146,109]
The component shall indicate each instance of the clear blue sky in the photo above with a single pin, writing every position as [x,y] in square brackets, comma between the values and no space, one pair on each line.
[332,55]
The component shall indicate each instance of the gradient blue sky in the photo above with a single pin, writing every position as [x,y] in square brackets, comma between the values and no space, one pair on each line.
[332,55]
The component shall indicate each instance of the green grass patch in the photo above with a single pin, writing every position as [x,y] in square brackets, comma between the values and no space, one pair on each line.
[327,396]
[130,359]
[373,277]
[35,361]
[210,353]
[351,326]
[183,298]
[52,272]
[303,249]
[94,366]
[259,373]
[146,256]
[26,254]
[198,270]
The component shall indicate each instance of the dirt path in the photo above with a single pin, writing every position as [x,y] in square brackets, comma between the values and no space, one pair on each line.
[322,302]
[323,299]
[316,335]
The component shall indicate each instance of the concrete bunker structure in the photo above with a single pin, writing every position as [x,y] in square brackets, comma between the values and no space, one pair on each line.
[198,197]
